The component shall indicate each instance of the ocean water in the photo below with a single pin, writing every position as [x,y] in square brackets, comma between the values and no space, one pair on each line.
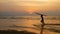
[27,23]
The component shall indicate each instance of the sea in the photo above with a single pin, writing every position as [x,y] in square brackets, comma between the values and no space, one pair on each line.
[30,23]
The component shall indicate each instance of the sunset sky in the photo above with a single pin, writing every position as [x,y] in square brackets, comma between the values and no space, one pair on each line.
[51,7]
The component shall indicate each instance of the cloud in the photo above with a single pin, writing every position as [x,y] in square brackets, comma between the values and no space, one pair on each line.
[29,5]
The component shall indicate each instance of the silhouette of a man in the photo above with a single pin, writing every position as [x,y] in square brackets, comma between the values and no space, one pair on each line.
[42,20]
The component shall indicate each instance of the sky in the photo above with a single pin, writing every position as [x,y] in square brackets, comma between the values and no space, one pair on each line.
[50,7]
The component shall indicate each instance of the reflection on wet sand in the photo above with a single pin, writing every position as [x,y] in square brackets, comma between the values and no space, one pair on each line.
[28,25]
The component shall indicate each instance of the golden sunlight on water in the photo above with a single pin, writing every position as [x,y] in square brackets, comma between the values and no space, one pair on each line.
[28,24]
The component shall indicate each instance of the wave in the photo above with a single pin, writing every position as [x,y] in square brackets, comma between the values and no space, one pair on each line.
[26,17]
